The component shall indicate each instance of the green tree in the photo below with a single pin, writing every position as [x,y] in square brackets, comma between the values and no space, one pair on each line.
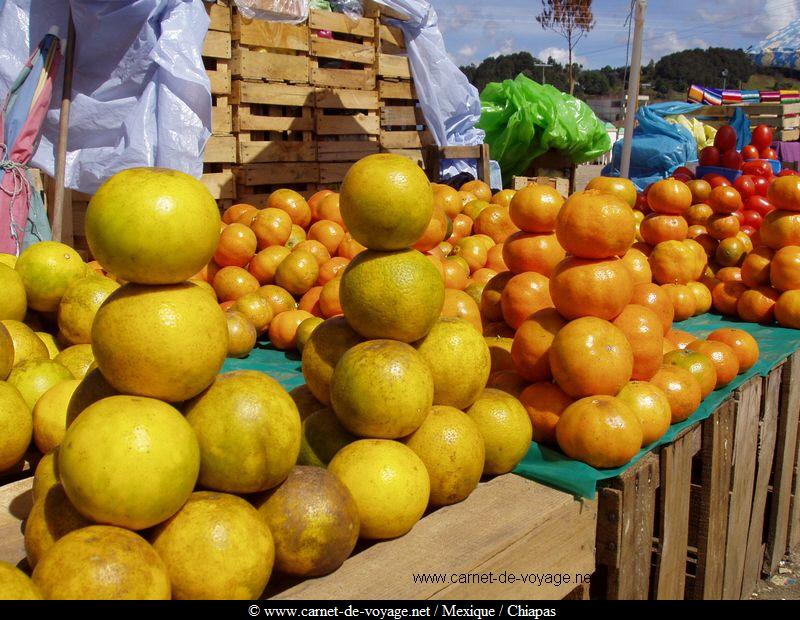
[572,19]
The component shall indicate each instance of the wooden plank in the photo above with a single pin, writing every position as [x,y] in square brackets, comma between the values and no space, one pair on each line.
[217,44]
[393,66]
[361,53]
[625,522]
[333,172]
[346,150]
[363,79]
[220,149]
[711,529]
[794,513]
[394,115]
[401,139]
[392,35]
[396,90]
[460,152]
[525,528]
[221,119]
[676,474]
[276,151]
[767,437]
[257,65]
[252,122]
[219,17]
[271,174]
[414,155]
[272,94]
[16,500]
[344,99]
[748,399]
[338,22]
[222,185]
[274,35]
[356,124]
[220,79]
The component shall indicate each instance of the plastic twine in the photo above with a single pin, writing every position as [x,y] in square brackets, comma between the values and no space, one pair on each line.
[20,187]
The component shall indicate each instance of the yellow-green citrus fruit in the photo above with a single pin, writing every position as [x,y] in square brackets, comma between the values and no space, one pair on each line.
[397,295]
[314,521]
[381,389]
[451,446]
[506,429]
[79,306]
[45,476]
[152,225]
[305,401]
[16,585]
[242,335]
[249,432]
[129,461]
[92,388]
[102,562]
[51,517]
[327,344]
[33,378]
[47,269]
[165,342]
[215,547]
[389,483]
[304,331]
[323,437]
[50,343]
[16,426]
[27,345]
[386,202]
[77,359]
[13,301]
[6,353]
[50,415]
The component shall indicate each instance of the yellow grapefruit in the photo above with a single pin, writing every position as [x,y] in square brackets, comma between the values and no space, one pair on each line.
[16,426]
[322,352]
[50,415]
[27,345]
[79,306]
[47,269]
[35,377]
[506,429]
[13,301]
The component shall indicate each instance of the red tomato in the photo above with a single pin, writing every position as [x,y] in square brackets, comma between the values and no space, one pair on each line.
[709,156]
[745,186]
[686,171]
[753,218]
[759,204]
[762,185]
[748,230]
[758,168]
[725,138]
[681,177]
[715,180]
[641,202]
[769,154]
[739,216]
[786,172]
[731,159]
[750,152]
[761,137]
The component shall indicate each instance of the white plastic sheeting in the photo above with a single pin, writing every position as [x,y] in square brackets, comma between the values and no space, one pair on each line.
[290,11]
[141,96]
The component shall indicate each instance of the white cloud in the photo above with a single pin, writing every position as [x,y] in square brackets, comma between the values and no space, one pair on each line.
[506,47]
[669,43]
[772,15]
[464,55]
[560,55]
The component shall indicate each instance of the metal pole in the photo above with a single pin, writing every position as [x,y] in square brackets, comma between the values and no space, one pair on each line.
[633,87]
[63,129]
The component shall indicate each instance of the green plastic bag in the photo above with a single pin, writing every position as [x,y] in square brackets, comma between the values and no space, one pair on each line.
[523,119]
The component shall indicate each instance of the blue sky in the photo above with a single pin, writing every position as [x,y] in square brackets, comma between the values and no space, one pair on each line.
[473,30]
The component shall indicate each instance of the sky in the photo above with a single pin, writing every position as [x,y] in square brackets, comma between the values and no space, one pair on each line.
[476,30]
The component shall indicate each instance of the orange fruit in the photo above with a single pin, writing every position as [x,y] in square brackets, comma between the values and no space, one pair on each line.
[230,283]
[310,301]
[584,287]
[255,309]
[525,251]
[462,227]
[620,187]
[242,334]
[695,231]
[494,258]
[235,212]
[330,268]
[673,262]
[272,227]
[702,297]
[780,228]
[747,241]
[787,309]
[293,204]
[743,344]
[473,251]
[482,276]
[500,352]
[460,305]
[679,338]
[725,296]
[328,209]
[467,197]
[498,329]
[730,252]
[283,328]
[523,295]
[297,273]
[650,406]
[435,232]
[544,402]
[722,225]
[681,389]
[503,198]
[590,356]
[722,356]
[329,299]
[698,213]
[455,275]
[279,299]
[707,242]
[496,223]
[756,267]
[642,328]
[601,431]
[757,305]
[701,367]
[350,248]
[237,245]
[315,199]
[479,189]
[531,347]
[507,381]
[658,227]
[535,208]
[328,233]
[656,299]
[701,190]
[784,269]
[683,300]
[316,249]
[784,193]
[448,200]
[701,259]
[595,225]
[669,196]
[667,346]
[264,264]
[636,262]
[729,274]
[474,208]
[725,199]
[491,297]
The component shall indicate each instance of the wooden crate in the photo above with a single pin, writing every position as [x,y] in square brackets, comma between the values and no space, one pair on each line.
[784,118]
[348,60]
[216,59]
[507,524]
[255,182]
[434,154]
[559,184]
[219,16]
[269,51]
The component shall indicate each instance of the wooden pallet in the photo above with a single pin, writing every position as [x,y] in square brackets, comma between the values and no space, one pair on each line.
[784,118]
[559,184]
[255,182]
[348,60]
[269,51]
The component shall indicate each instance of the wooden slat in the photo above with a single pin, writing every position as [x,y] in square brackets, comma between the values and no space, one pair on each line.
[222,185]
[337,22]
[396,90]
[676,474]
[363,79]
[16,500]
[748,399]
[220,79]
[414,155]
[217,44]
[392,115]
[524,527]
[272,94]
[712,521]
[271,174]
[219,17]
[221,119]
[274,35]
[277,151]
[349,150]
[361,53]
[392,66]
[402,139]
[393,35]
[356,124]
[344,99]
[333,172]
[269,66]
[220,149]
[252,122]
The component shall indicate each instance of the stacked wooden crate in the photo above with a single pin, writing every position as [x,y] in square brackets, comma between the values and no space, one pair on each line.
[220,153]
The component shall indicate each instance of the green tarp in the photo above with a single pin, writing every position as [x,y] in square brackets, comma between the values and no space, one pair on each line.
[550,466]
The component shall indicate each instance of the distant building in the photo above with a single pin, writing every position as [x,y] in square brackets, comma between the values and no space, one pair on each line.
[611,109]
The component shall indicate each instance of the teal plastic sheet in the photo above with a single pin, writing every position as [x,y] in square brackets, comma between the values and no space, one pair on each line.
[282,366]
[523,119]
[553,468]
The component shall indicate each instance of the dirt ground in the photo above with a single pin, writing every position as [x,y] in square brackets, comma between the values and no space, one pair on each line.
[785,586]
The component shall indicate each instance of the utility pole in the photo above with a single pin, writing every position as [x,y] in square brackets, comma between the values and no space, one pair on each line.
[543,65]
[633,87]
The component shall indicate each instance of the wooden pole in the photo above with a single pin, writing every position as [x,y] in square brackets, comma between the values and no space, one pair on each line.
[633,87]
[59,190]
